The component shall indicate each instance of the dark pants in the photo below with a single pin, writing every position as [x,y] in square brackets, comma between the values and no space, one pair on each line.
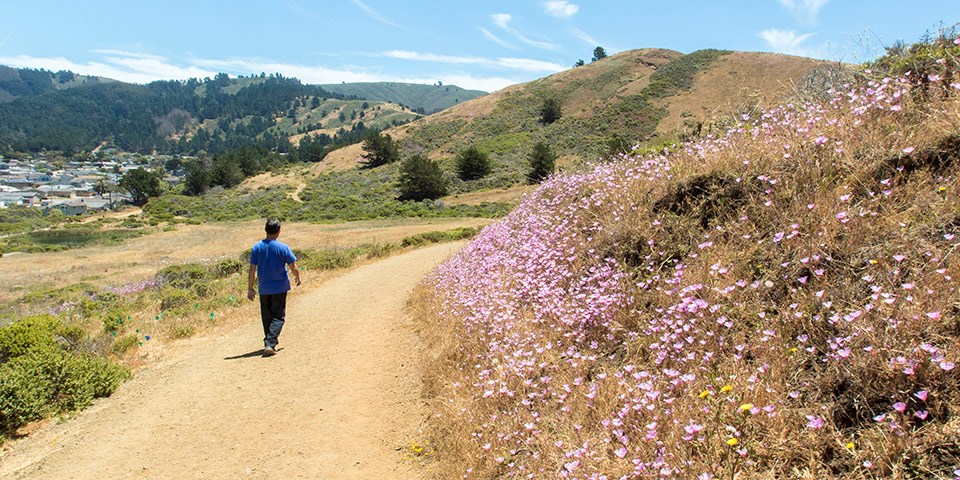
[273,309]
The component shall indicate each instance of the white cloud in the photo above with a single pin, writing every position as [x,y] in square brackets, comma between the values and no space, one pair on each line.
[502,20]
[561,8]
[496,39]
[791,43]
[375,14]
[520,64]
[805,11]
[131,69]
[576,32]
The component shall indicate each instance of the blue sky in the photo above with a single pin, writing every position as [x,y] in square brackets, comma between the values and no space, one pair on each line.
[484,45]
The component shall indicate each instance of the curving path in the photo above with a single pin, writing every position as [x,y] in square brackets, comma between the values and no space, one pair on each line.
[341,399]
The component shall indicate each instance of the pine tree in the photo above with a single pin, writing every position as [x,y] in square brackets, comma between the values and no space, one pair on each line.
[380,150]
[550,111]
[542,161]
[472,164]
[598,54]
[421,178]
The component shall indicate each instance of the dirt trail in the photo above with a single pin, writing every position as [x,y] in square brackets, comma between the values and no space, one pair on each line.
[341,399]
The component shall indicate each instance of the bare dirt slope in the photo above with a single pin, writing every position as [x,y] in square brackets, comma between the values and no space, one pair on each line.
[341,399]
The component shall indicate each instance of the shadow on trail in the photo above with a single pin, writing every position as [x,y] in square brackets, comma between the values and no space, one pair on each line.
[256,353]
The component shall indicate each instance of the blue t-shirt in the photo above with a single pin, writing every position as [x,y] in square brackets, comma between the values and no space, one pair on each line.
[271,258]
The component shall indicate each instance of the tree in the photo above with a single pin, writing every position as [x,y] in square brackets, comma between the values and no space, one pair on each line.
[472,164]
[579,63]
[599,53]
[421,178]
[141,184]
[550,111]
[380,150]
[542,161]
[197,179]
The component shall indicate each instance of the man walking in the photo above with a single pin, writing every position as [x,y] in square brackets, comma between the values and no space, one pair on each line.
[268,261]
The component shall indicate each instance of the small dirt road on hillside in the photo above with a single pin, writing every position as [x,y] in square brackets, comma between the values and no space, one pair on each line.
[341,399]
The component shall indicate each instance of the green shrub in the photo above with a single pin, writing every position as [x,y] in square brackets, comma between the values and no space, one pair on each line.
[27,334]
[124,343]
[328,259]
[48,381]
[113,318]
[182,276]
[229,267]
[173,298]
[183,331]
[437,237]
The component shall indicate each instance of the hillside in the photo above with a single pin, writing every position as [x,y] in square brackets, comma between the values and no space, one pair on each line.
[15,83]
[649,97]
[424,99]
[174,117]
[776,300]
[631,96]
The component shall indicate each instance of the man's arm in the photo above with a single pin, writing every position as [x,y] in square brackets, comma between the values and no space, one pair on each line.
[251,278]
[295,271]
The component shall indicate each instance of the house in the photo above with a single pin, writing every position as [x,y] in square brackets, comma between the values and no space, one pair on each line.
[72,207]
[24,198]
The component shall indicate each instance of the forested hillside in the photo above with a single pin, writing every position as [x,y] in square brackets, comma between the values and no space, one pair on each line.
[423,99]
[179,117]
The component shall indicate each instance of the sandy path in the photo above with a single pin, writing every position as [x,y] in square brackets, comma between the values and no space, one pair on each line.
[341,399]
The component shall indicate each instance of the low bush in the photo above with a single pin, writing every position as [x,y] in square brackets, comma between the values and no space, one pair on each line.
[437,237]
[48,381]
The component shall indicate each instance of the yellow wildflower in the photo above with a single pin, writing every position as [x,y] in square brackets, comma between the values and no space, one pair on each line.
[704,394]
[732,441]
[746,406]
[725,388]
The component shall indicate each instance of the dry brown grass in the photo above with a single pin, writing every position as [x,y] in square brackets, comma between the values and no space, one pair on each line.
[140,258]
[812,253]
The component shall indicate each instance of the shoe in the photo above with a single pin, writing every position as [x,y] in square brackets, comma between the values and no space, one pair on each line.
[269,351]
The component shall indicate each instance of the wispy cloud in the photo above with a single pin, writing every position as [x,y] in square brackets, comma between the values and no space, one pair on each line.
[375,14]
[520,64]
[142,68]
[502,20]
[118,65]
[805,11]
[561,8]
[576,32]
[495,39]
[791,43]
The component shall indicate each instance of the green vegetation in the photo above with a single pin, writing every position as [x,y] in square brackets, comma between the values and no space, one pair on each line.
[472,164]
[45,371]
[439,237]
[425,99]
[379,150]
[542,161]
[64,237]
[421,179]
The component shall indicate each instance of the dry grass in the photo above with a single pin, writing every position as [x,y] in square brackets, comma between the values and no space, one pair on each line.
[140,258]
[777,302]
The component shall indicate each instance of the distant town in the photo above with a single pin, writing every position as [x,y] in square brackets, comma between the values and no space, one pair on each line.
[74,187]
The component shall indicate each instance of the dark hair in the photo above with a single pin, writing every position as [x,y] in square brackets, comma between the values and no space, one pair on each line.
[273,226]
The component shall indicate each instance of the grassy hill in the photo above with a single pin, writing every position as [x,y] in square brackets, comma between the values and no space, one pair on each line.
[425,99]
[776,300]
[649,97]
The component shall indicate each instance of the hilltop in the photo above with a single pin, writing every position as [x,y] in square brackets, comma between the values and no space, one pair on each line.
[16,83]
[649,98]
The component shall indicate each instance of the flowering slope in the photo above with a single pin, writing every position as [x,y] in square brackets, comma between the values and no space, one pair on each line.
[776,301]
